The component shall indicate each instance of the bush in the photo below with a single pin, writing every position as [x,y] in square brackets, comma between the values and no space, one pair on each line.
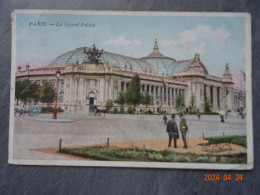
[115,111]
[149,112]
[131,110]
[51,109]
[239,140]
[121,111]
[210,113]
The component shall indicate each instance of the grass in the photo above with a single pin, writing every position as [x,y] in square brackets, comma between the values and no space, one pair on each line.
[113,153]
[239,140]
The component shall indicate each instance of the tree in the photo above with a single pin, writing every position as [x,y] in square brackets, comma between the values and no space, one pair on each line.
[206,105]
[180,103]
[147,99]
[121,100]
[48,94]
[109,105]
[193,108]
[133,95]
[18,90]
[26,91]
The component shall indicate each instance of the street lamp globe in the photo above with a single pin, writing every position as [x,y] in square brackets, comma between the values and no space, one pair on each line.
[58,73]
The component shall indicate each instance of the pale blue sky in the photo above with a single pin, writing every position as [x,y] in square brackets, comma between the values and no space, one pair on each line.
[218,39]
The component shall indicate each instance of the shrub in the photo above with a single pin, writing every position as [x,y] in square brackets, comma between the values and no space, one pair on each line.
[121,111]
[239,140]
[210,113]
[131,110]
[51,109]
[115,111]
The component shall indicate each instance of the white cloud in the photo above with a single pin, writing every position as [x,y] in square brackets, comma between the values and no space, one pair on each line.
[200,48]
[166,43]
[196,39]
[121,41]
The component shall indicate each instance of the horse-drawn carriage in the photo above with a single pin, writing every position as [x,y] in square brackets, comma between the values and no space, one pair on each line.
[32,111]
[95,111]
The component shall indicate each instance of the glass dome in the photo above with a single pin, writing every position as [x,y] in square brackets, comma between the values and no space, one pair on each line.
[78,56]
[161,63]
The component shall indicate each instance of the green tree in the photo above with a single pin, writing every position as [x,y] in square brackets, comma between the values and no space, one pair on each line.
[206,105]
[26,91]
[193,108]
[18,90]
[133,95]
[180,103]
[121,100]
[109,105]
[48,94]
[147,99]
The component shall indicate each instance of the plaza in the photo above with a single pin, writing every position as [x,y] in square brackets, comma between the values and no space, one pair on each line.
[88,130]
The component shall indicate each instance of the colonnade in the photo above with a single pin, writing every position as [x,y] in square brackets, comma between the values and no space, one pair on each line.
[162,96]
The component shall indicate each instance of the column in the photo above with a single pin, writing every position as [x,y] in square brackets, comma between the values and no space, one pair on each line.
[197,95]
[118,87]
[208,92]
[174,97]
[70,90]
[65,90]
[154,95]
[81,89]
[221,98]
[159,95]
[102,91]
[106,91]
[163,90]
[170,89]
[229,98]
[167,95]
[215,103]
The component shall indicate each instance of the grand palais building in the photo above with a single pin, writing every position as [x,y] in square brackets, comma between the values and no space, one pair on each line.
[83,83]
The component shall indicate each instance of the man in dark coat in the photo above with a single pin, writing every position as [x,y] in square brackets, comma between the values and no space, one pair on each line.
[172,130]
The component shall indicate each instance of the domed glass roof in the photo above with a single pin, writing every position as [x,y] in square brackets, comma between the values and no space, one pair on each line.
[78,56]
[161,63]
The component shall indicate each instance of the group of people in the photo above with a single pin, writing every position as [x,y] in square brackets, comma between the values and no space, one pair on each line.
[173,132]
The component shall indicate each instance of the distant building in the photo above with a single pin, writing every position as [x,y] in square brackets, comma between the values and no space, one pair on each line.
[83,83]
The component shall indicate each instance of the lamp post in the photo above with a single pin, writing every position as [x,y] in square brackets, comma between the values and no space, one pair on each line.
[58,73]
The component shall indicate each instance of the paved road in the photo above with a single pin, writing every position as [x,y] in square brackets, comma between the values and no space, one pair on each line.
[89,130]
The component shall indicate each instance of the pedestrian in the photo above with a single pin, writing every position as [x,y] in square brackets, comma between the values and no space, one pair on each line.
[222,118]
[172,130]
[165,119]
[199,116]
[183,128]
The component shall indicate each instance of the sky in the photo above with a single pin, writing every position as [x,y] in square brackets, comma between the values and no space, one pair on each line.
[219,40]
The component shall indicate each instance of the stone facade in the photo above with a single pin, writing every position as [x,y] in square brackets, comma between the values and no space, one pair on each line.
[83,84]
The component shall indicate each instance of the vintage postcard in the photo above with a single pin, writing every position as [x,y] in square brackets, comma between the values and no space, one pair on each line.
[131,89]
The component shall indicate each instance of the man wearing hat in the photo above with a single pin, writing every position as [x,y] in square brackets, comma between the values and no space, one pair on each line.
[183,129]
[172,130]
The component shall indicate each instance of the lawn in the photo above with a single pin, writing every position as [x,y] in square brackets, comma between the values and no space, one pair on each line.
[112,153]
[239,140]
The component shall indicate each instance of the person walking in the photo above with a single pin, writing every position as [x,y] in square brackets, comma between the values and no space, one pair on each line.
[172,130]
[183,128]
[165,119]
[199,116]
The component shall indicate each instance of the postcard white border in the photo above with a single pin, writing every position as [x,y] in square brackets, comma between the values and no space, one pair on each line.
[249,116]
